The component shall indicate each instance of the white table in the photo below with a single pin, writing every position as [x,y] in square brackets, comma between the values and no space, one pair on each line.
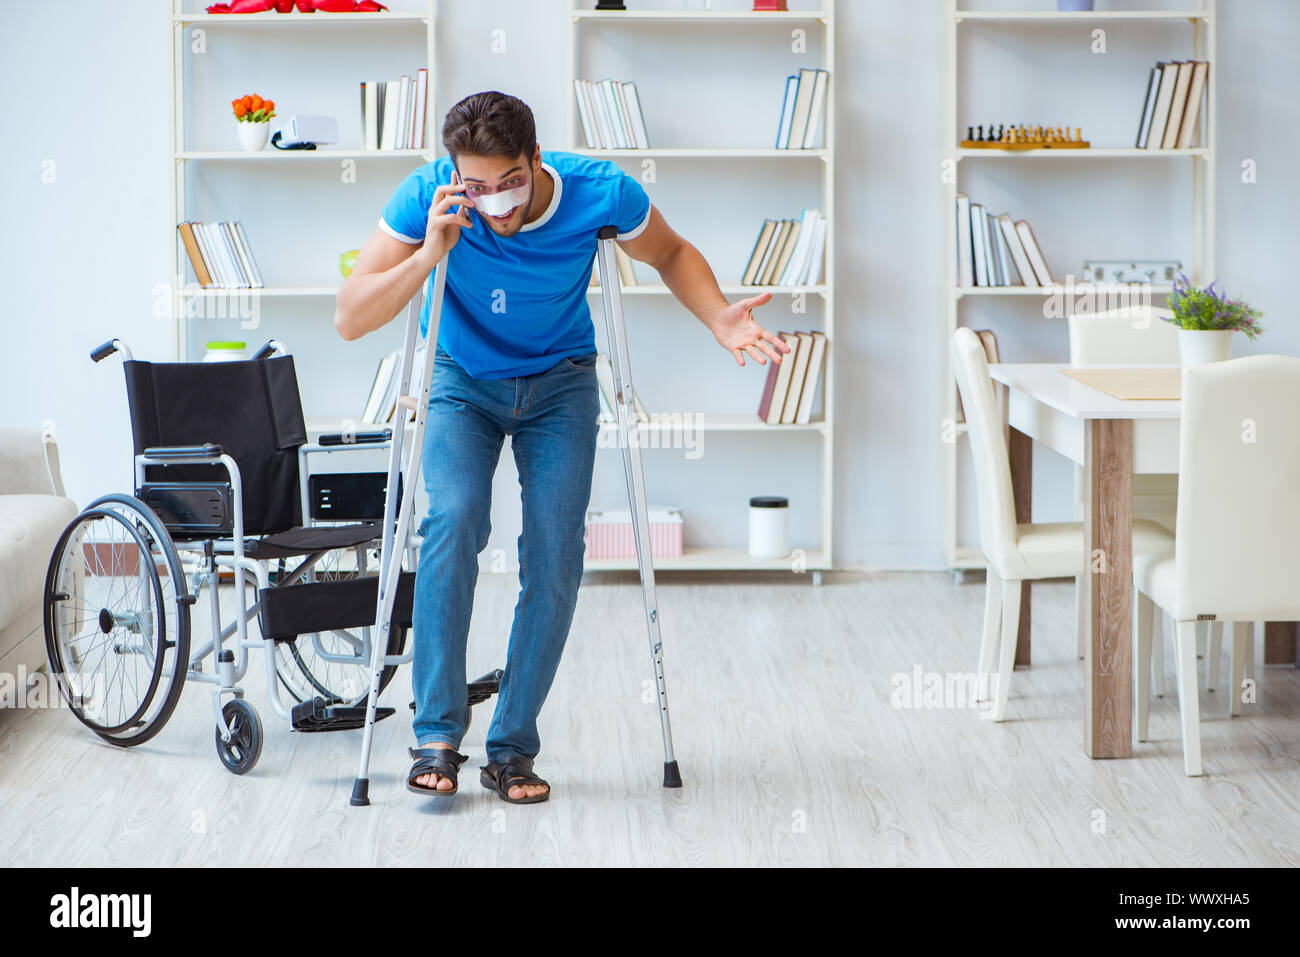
[1112,439]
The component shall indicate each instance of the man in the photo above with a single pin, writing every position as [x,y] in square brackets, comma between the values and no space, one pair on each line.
[515,356]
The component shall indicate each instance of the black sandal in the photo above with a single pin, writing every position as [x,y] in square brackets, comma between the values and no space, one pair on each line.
[502,777]
[442,761]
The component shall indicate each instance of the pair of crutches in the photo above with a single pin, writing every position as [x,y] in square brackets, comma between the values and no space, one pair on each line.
[398,516]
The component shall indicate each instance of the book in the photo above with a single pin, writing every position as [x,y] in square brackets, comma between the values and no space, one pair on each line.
[388,132]
[787,113]
[624,113]
[421,107]
[979,236]
[201,273]
[756,255]
[812,376]
[1164,96]
[781,387]
[600,112]
[248,254]
[200,237]
[800,356]
[1189,126]
[802,108]
[1034,254]
[812,274]
[810,136]
[1182,83]
[378,388]
[965,264]
[617,128]
[587,121]
[1148,107]
[991,247]
[370,115]
[794,267]
[245,265]
[1016,251]
[640,136]
[783,259]
[773,250]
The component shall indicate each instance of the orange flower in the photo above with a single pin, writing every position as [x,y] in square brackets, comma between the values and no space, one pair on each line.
[240,109]
[256,104]
[269,106]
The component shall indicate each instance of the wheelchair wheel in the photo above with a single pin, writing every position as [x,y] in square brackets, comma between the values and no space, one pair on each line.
[240,753]
[117,621]
[332,665]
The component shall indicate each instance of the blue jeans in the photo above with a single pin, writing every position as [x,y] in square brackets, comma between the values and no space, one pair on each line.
[551,419]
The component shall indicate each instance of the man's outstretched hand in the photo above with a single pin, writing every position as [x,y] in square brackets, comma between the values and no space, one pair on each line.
[739,333]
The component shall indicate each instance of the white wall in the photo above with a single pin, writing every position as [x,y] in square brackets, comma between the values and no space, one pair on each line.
[83,256]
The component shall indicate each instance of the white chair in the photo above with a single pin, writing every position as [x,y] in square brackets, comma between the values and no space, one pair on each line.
[1015,552]
[1234,556]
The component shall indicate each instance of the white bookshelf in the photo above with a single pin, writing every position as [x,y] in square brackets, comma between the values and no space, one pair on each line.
[1199,15]
[289,29]
[814,557]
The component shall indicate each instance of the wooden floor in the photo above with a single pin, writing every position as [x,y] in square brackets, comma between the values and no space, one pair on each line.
[790,748]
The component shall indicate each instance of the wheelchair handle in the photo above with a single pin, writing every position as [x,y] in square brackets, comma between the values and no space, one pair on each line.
[271,348]
[108,348]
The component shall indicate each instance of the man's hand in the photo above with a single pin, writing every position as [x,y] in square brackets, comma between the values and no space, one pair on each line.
[443,229]
[738,332]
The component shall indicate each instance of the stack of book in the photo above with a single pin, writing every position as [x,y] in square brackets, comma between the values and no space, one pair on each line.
[1171,109]
[791,385]
[393,112]
[220,255]
[788,252]
[801,113]
[605,380]
[625,273]
[994,251]
[381,405]
[611,115]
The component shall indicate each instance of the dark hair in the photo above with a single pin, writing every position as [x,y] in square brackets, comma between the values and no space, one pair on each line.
[490,124]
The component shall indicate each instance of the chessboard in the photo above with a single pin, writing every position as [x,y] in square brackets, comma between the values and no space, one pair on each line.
[1024,138]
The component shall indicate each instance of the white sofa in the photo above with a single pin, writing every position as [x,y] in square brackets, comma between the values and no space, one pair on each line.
[33,512]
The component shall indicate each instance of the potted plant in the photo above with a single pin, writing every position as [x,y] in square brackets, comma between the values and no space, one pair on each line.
[253,120]
[1206,320]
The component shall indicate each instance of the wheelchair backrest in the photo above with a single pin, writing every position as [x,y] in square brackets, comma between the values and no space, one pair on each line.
[251,409]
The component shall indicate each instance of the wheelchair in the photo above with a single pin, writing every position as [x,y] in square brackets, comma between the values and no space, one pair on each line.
[223,487]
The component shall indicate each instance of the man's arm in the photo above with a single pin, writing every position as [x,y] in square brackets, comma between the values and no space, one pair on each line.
[388,272]
[688,276]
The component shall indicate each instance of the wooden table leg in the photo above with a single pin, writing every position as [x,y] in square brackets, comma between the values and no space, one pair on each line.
[1020,449]
[1280,639]
[1108,539]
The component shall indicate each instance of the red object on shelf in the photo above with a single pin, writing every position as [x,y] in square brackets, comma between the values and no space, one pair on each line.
[769,6]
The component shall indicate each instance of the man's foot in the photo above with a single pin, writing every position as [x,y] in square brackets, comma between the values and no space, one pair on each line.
[437,781]
[515,782]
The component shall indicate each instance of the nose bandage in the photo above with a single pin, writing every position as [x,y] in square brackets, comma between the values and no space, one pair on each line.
[498,204]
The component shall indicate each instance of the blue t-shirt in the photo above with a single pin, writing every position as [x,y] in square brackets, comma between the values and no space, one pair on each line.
[516,305]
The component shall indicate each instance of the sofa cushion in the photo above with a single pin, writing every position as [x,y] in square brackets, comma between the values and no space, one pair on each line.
[30,526]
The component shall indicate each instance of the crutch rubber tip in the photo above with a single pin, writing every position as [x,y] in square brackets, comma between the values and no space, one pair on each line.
[360,793]
[672,776]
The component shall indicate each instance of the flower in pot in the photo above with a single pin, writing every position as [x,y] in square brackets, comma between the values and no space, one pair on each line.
[253,120]
[1206,320]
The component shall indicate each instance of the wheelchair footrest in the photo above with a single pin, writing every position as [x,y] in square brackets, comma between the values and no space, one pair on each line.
[319,715]
[480,689]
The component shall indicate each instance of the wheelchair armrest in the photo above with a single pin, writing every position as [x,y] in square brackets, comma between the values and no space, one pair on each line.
[207,450]
[358,438]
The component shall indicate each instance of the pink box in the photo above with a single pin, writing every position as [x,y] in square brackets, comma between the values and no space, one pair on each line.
[609,533]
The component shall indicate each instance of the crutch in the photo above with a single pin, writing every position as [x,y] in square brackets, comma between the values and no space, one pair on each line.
[611,296]
[397,516]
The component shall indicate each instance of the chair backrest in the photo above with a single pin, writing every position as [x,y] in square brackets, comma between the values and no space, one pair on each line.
[1238,527]
[997,510]
[1138,335]
[251,409]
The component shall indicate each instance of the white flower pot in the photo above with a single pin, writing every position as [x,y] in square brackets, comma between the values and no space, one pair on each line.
[1198,347]
[253,136]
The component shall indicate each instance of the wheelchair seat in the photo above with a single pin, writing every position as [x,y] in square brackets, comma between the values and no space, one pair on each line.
[305,541]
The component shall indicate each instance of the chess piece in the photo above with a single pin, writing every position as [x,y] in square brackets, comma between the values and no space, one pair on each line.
[970,132]
[981,132]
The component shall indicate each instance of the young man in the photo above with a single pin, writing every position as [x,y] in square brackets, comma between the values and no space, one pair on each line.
[515,356]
